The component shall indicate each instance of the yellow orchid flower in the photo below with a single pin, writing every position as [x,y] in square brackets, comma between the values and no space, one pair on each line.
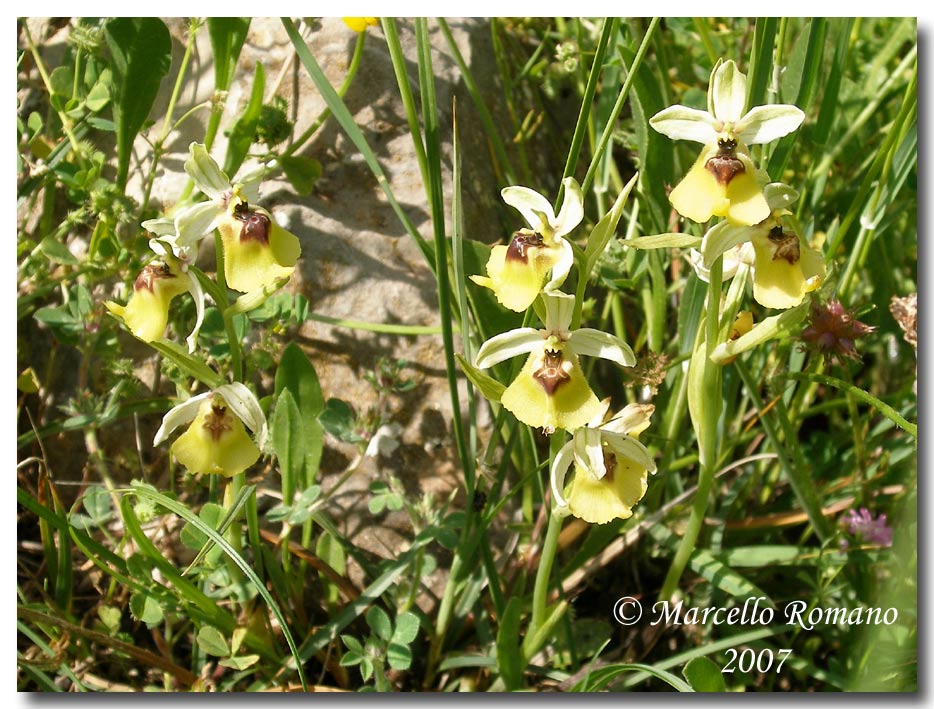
[359,24]
[257,251]
[723,182]
[551,391]
[611,466]
[146,314]
[216,442]
[785,268]
[518,273]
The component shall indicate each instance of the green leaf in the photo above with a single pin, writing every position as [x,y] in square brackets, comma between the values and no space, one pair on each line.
[599,679]
[187,363]
[406,631]
[97,502]
[399,656]
[227,36]
[352,644]
[99,95]
[61,81]
[140,55]
[606,228]
[244,130]
[297,374]
[301,172]
[146,609]
[239,663]
[339,419]
[288,438]
[491,389]
[212,641]
[379,622]
[191,536]
[508,654]
[111,617]
[330,551]
[703,675]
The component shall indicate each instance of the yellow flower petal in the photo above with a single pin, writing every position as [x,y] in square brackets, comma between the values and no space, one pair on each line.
[359,24]
[558,397]
[722,183]
[517,273]
[147,312]
[257,251]
[785,270]
[612,497]
[216,442]
[747,203]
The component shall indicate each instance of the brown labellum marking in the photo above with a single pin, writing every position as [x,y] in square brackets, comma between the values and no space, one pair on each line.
[787,246]
[551,374]
[255,224]
[725,165]
[216,422]
[521,242]
[609,462]
[150,274]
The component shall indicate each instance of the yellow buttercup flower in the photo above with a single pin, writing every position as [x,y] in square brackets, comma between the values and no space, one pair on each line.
[359,24]
[611,466]
[518,273]
[551,391]
[723,181]
[785,267]
[216,442]
[146,314]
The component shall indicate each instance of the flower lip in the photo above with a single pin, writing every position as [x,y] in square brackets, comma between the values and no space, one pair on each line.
[553,372]
[787,246]
[255,224]
[725,165]
[522,241]
[150,274]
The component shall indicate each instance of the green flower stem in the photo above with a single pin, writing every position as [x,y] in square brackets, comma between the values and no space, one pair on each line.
[236,350]
[167,126]
[795,470]
[618,106]
[607,32]
[486,119]
[342,91]
[546,562]
[706,416]
[234,532]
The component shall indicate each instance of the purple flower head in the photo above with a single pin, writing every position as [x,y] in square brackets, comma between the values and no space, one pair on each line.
[865,529]
[833,330]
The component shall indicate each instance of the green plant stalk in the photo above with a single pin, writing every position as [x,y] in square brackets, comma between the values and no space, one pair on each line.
[607,32]
[405,92]
[341,91]
[236,350]
[618,106]
[547,557]
[883,165]
[864,396]
[797,476]
[346,121]
[67,127]
[234,532]
[711,396]
[485,118]
[157,148]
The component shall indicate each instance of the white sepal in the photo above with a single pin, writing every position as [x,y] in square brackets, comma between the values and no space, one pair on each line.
[178,416]
[194,222]
[596,343]
[559,310]
[536,210]
[207,176]
[572,208]
[559,470]
[559,272]
[629,448]
[729,92]
[683,123]
[197,293]
[244,404]
[507,345]
[632,419]
[763,124]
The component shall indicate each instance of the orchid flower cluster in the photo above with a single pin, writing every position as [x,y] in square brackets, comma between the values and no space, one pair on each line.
[551,391]
[258,258]
[758,231]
